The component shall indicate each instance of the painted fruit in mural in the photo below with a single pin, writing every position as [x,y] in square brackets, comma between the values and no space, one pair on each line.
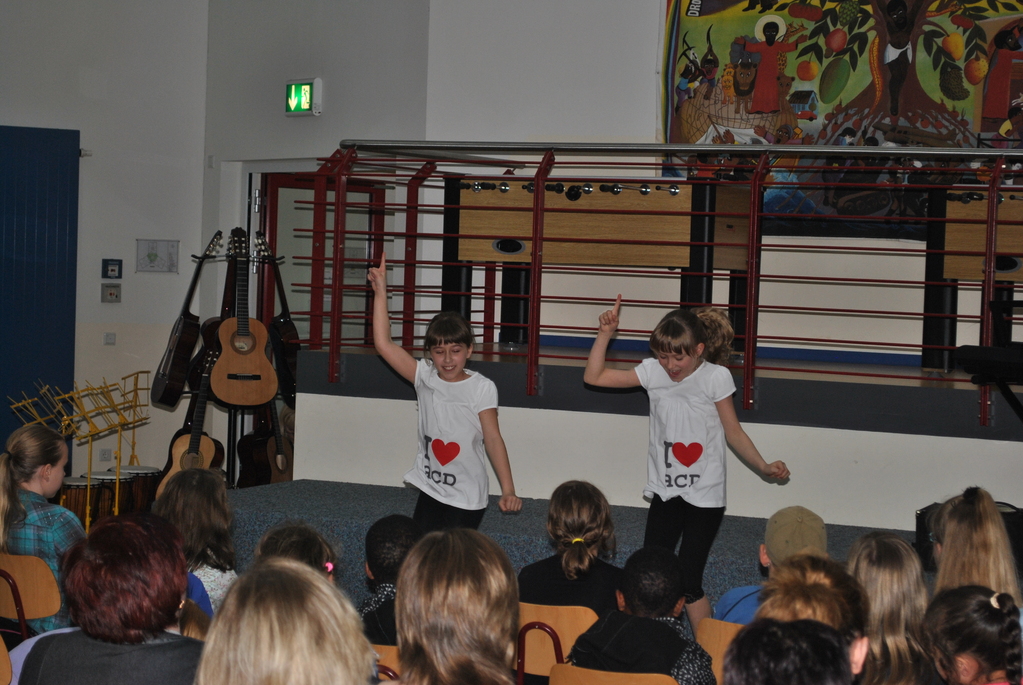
[976,70]
[953,45]
[836,40]
[807,71]
[834,80]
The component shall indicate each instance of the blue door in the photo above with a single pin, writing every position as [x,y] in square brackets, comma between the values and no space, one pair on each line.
[38,262]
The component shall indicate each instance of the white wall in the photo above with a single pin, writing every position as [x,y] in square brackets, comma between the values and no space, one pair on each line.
[848,477]
[132,78]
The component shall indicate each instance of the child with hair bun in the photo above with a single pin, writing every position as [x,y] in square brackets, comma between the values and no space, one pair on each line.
[31,472]
[974,636]
[691,418]
[972,546]
[579,523]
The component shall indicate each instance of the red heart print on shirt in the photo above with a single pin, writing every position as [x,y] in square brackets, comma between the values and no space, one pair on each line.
[687,455]
[445,452]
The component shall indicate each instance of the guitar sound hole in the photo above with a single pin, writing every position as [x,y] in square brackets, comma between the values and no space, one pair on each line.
[191,460]
[282,462]
[243,344]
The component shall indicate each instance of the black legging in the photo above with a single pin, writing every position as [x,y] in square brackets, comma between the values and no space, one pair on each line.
[666,522]
[433,515]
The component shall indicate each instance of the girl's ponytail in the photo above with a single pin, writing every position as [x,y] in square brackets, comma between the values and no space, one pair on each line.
[718,335]
[8,498]
[1011,636]
[576,560]
[27,450]
[579,523]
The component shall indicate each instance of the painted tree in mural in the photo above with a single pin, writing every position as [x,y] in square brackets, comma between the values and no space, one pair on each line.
[890,38]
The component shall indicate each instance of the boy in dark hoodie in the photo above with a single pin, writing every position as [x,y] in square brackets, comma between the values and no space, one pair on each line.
[645,634]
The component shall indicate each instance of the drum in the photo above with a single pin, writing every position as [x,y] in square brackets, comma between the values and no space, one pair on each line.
[143,492]
[73,497]
[104,485]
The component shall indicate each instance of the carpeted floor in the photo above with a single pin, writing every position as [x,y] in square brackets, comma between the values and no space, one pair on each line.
[343,512]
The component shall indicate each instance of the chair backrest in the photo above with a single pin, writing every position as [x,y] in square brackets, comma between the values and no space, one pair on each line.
[40,596]
[715,636]
[387,655]
[6,672]
[568,622]
[566,674]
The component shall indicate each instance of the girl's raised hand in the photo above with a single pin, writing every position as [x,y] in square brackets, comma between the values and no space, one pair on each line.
[777,469]
[377,276]
[609,319]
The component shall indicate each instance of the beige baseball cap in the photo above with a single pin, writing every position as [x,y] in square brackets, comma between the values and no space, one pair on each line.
[795,530]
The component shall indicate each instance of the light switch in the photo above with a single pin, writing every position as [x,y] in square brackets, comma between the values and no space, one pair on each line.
[111,292]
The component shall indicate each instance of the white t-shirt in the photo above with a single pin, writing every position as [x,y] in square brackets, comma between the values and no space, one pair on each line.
[451,458]
[686,457]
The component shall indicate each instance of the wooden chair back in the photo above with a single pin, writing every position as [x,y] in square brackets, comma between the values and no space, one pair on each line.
[6,672]
[387,656]
[715,636]
[568,622]
[33,593]
[566,674]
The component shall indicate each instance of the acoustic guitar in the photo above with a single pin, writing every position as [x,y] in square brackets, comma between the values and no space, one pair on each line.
[191,448]
[280,451]
[173,370]
[210,327]
[253,459]
[243,375]
[283,332]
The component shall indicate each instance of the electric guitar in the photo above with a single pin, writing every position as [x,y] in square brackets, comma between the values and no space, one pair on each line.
[283,333]
[190,447]
[243,375]
[170,375]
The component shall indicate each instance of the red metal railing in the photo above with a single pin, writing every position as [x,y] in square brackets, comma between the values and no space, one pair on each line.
[417,167]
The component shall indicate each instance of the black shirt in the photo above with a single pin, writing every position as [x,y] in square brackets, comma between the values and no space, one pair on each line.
[545,583]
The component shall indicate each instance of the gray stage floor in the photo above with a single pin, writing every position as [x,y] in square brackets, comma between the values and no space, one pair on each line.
[345,511]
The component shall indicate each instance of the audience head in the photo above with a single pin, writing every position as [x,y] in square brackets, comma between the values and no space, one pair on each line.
[680,331]
[125,581]
[388,542]
[718,333]
[456,608]
[769,652]
[193,621]
[791,531]
[652,584]
[33,459]
[819,589]
[974,635]
[890,573]
[972,546]
[283,622]
[299,541]
[579,523]
[195,501]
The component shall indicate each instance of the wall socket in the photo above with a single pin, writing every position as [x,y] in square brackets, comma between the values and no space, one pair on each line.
[106,454]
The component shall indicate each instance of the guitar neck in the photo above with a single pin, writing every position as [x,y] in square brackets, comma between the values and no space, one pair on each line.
[278,438]
[199,417]
[242,299]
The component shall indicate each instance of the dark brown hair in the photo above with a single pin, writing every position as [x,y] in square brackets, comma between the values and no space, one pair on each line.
[977,621]
[28,449]
[680,331]
[448,327]
[299,541]
[195,501]
[579,523]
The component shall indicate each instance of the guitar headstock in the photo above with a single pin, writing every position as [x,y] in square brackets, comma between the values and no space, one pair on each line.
[238,245]
[263,251]
[211,360]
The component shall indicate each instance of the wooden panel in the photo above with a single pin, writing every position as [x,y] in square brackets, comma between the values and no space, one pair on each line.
[731,229]
[960,236]
[581,222]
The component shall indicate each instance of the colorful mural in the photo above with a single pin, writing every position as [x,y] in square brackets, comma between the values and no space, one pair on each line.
[945,73]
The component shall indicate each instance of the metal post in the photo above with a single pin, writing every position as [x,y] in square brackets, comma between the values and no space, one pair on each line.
[536,272]
[752,283]
[344,169]
[408,306]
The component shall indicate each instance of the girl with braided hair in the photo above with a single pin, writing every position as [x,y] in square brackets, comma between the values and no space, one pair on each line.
[974,636]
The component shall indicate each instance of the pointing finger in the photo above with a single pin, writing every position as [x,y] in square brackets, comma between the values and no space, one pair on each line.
[618,304]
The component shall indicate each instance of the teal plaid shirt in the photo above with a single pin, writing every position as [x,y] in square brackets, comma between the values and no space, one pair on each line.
[48,531]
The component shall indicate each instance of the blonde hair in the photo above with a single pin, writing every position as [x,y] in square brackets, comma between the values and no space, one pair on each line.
[718,334]
[975,547]
[807,586]
[579,523]
[890,573]
[282,623]
[457,611]
[28,449]
[193,621]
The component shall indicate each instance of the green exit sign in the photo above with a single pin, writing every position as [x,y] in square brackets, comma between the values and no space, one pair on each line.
[303,97]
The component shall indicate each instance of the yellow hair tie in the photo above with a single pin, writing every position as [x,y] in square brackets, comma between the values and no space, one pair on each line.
[575,540]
